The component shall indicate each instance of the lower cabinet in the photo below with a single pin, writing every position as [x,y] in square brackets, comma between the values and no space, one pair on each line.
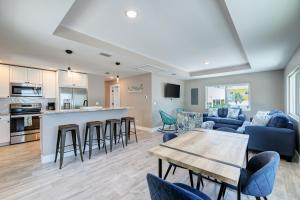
[5,130]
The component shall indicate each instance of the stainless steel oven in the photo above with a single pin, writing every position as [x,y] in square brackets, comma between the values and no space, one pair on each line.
[24,122]
[25,90]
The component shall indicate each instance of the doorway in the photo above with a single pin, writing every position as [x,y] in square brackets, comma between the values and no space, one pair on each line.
[115,95]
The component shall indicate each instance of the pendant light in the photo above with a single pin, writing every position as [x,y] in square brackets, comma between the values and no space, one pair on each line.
[118,78]
[69,52]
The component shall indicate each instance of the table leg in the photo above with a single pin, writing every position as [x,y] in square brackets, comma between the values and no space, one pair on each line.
[238,192]
[222,188]
[247,156]
[160,168]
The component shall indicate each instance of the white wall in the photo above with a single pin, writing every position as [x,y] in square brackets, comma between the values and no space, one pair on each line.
[96,89]
[266,90]
[159,102]
[139,103]
[293,63]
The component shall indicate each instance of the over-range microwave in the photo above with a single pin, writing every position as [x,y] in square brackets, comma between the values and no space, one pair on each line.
[25,90]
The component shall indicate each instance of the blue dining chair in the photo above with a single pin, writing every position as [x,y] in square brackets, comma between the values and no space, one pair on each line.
[163,190]
[167,137]
[259,176]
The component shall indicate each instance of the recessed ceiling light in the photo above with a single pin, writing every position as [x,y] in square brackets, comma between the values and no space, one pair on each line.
[206,62]
[131,14]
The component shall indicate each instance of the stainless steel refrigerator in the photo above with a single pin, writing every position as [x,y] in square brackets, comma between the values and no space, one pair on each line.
[72,98]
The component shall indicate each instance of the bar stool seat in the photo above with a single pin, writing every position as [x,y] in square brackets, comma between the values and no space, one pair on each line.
[90,127]
[94,123]
[113,125]
[128,120]
[61,139]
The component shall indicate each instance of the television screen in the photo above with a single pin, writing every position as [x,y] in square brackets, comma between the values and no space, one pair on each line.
[172,90]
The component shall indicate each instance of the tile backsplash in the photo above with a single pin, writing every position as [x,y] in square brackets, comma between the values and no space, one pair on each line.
[4,103]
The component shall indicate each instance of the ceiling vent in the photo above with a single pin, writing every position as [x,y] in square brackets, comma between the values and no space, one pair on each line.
[151,68]
[105,54]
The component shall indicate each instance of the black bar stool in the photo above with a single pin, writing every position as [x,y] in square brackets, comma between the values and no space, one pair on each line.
[113,125]
[128,121]
[90,130]
[61,139]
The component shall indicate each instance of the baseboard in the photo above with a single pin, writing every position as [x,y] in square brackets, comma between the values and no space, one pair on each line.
[297,155]
[50,158]
[147,129]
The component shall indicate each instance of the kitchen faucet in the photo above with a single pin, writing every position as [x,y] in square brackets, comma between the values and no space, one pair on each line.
[85,103]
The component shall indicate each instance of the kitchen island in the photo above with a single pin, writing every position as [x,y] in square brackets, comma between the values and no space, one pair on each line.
[50,121]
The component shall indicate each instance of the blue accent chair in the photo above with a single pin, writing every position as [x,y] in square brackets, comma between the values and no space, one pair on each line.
[163,190]
[279,135]
[167,120]
[222,121]
[259,176]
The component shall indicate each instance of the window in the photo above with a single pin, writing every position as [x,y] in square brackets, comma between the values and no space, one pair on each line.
[293,93]
[234,96]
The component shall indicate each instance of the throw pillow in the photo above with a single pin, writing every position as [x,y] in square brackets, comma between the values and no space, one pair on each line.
[233,113]
[213,112]
[261,118]
[208,125]
[279,120]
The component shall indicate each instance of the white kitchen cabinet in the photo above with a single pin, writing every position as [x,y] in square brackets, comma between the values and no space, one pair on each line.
[65,79]
[34,76]
[18,75]
[80,80]
[72,79]
[49,84]
[5,130]
[25,75]
[4,81]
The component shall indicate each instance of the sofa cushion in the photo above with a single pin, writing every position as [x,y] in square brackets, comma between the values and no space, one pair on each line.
[222,112]
[233,113]
[261,118]
[213,112]
[278,120]
[230,121]
[214,119]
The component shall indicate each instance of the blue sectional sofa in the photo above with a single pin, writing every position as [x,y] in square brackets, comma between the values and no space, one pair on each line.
[278,136]
[222,121]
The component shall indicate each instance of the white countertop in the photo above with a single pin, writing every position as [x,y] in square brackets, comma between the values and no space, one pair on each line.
[91,109]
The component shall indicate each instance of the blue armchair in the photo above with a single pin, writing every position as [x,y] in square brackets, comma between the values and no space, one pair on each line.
[163,190]
[258,178]
[278,136]
[222,121]
[168,119]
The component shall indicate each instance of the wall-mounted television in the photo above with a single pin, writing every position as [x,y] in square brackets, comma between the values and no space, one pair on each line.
[172,90]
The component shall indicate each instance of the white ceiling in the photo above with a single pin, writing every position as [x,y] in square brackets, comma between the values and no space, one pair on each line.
[175,37]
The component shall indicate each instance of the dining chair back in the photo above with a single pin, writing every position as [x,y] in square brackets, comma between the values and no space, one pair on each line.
[260,174]
[169,136]
[161,189]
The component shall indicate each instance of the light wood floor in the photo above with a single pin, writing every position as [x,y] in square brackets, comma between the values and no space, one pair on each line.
[117,175]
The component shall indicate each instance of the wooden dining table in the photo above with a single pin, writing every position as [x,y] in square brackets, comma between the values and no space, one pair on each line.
[217,154]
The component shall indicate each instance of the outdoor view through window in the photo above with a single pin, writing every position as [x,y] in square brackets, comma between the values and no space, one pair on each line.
[233,96]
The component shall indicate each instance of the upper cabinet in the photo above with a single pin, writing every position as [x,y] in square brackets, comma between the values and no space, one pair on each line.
[49,84]
[65,79]
[80,80]
[72,79]
[18,75]
[35,76]
[25,75]
[4,81]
